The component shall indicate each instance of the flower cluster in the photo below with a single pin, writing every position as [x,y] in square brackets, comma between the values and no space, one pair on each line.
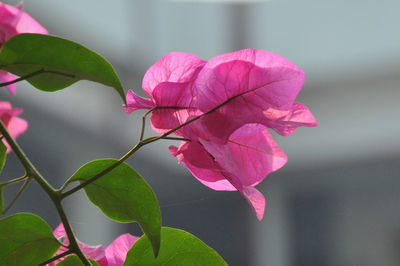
[226,106]
[113,255]
[14,21]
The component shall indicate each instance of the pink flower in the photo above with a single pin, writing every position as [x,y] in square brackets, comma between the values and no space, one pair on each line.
[113,255]
[238,96]
[15,125]
[14,21]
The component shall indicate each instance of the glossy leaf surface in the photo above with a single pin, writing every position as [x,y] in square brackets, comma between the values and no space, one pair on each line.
[178,248]
[123,195]
[26,239]
[68,61]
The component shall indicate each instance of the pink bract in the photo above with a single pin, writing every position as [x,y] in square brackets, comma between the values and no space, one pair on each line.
[116,252]
[15,125]
[239,96]
[113,255]
[14,21]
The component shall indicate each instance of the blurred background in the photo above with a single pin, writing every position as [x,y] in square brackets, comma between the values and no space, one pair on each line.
[336,202]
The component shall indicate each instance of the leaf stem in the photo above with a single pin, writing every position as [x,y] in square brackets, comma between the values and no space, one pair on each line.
[59,256]
[15,180]
[21,190]
[144,122]
[40,71]
[51,192]
[73,246]
[102,173]
[174,138]
[169,132]
[140,144]
[26,163]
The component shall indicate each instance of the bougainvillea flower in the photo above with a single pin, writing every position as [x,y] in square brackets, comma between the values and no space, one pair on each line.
[169,84]
[113,255]
[247,158]
[15,125]
[116,252]
[238,96]
[14,21]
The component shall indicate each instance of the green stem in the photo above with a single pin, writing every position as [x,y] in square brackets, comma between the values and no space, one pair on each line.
[40,71]
[21,190]
[26,163]
[59,256]
[30,75]
[144,123]
[140,144]
[15,180]
[102,173]
[51,192]
[73,244]
[175,138]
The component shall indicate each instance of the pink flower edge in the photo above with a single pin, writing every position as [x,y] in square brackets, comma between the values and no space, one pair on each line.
[15,125]
[113,255]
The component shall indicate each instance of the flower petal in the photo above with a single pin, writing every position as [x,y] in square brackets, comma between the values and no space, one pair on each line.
[250,157]
[200,163]
[15,21]
[6,77]
[256,200]
[29,25]
[245,84]
[243,162]
[135,102]
[116,252]
[286,122]
[96,253]
[259,78]
[15,125]
[172,68]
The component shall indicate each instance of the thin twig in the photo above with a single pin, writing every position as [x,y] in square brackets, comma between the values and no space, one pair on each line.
[59,256]
[144,122]
[21,190]
[136,148]
[51,192]
[176,138]
[40,71]
[15,180]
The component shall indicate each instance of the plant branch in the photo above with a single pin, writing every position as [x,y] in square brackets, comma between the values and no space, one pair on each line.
[26,163]
[59,256]
[51,192]
[15,180]
[21,190]
[174,138]
[144,123]
[169,132]
[73,247]
[102,173]
[40,71]
[136,148]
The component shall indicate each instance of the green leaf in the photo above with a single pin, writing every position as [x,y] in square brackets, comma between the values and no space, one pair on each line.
[73,260]
[1,199]
[27,53]
[123,195]
[3,155]
[25,239]
[177,248]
